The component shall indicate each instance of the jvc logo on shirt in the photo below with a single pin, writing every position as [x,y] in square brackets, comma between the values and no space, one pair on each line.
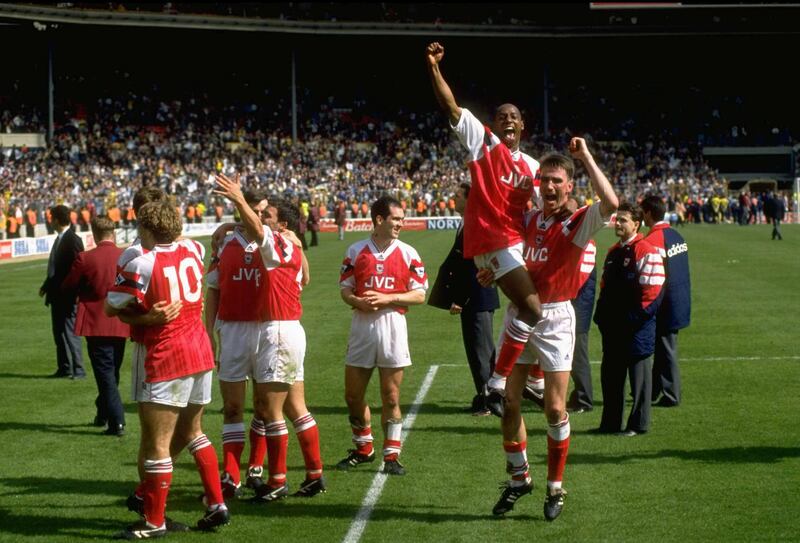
[380,282]
[677,249]
[248,274]
[517,180]
[536,255]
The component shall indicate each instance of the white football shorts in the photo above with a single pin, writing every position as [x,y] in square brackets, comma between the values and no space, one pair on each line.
[240,343]
[282,351]
[553,339]
[501,261]
[378,339]
[194,389]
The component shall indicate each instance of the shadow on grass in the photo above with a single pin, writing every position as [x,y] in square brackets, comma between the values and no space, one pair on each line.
[84,429]
[317,508]
[723,455]
[52,526]
[115,490]
[47,376]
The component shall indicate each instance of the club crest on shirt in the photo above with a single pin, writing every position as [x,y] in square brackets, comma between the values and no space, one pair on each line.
[626,262]
[379,268]
[539,239]
[248,258]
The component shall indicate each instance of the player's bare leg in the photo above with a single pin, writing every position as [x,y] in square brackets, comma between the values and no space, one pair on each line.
[355,387]
[308,436]
[272,397]
[157,426]
[556,384]
[391,419]
[519,289]
[233,432]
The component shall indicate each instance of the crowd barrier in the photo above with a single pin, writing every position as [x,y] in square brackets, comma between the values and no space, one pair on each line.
[15,248]
[410,223]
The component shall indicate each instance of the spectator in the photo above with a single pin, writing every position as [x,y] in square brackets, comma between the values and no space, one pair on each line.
[62,304]
[92,274]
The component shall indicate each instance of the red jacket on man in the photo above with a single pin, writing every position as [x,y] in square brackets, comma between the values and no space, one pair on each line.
[92,274]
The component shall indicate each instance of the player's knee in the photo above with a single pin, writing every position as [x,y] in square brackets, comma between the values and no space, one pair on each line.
[232,412]
[353,399]
[390,398]
[511,406]
[555,413]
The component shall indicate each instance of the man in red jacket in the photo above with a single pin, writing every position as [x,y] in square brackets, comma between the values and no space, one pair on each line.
[91,275]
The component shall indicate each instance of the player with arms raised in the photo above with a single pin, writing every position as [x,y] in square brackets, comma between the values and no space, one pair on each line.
[554,254]
[381,277]
[279,371]
[504,179]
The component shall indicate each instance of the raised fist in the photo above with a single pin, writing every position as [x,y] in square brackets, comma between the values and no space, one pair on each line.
[434,53]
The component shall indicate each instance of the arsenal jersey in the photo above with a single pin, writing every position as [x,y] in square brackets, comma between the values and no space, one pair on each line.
[396,269]
[502,184]
[557,253]
[169,272]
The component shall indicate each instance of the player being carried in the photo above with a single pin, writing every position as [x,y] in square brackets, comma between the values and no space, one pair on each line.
[554,253]
[273,350]
[504,179]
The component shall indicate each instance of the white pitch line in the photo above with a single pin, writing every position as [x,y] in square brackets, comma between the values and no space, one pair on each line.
[359,523]
[734,358]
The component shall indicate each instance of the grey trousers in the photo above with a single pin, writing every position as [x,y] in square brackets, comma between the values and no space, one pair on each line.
[581,374]
[477,328]
[666,374]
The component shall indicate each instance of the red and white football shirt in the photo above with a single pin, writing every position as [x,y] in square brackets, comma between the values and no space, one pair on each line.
[395,270]
[168,272]
[238,272]
[557,254]
[285,276]
[502,184]
[134,250]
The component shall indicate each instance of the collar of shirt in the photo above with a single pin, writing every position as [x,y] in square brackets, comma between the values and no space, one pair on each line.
[629,240]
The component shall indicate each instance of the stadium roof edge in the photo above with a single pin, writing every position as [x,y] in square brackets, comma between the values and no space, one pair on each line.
[23,12]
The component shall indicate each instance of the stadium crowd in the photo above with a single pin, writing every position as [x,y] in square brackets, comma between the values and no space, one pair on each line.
[103,152]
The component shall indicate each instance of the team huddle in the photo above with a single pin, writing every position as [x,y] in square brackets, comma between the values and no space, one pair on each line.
[252,332]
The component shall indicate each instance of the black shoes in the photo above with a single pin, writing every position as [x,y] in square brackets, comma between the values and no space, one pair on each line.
[664,402]
[254,477]
[141,530]
[554,503]
[212,519]
[310,488]
[229,488]
[135,503]
[536,395]
[510,496]
[393,467]
[117,430]
[267,494]
[355,458]
[630,433]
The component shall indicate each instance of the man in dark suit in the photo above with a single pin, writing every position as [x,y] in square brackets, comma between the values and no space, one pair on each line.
[62,304]
[92,274]
[457,290]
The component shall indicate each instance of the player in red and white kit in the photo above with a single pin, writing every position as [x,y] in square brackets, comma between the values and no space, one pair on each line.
[236,307]
[554,254]
[504,179]
[278,373]
[381,277]
[176,383]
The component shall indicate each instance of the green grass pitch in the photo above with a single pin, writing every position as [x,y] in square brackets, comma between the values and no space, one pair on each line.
[724,466]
